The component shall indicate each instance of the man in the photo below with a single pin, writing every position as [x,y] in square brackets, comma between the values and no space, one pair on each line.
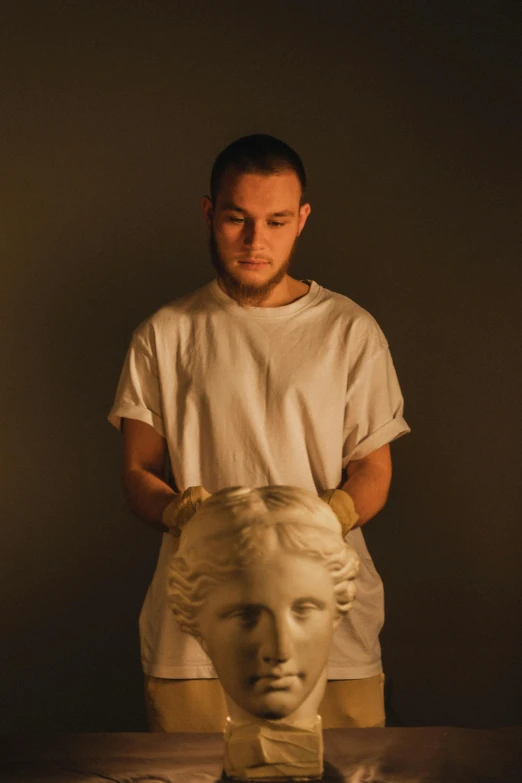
[258,379]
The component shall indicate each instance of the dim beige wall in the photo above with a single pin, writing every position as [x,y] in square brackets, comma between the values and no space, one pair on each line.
[111,114]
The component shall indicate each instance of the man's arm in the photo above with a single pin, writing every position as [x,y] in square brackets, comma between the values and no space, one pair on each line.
[144,452]
[368,483]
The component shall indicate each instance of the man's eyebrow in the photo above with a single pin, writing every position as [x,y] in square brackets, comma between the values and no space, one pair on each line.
[283,213]
[231,207]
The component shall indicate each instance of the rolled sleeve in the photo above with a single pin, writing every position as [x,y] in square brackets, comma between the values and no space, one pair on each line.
[138,393]
[374,408]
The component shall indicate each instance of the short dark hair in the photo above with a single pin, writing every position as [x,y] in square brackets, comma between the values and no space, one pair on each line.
[257,154]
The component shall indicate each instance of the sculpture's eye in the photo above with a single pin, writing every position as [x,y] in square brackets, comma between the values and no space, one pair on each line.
[248,616]
[303,609]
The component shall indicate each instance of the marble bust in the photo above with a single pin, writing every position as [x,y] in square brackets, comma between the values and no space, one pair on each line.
[261,578]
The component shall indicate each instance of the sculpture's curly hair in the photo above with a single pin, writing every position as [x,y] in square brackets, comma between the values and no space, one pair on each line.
[241,519]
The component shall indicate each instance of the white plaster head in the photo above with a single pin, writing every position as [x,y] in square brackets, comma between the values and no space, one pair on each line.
[261,578]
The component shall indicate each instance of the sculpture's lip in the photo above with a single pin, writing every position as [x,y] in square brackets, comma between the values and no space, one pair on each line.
[281,683]
[272,679]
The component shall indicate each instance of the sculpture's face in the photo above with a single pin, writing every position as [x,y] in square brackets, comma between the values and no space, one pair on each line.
[268,632]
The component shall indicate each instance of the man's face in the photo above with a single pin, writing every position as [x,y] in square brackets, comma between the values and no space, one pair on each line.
[268,633]
[254,225]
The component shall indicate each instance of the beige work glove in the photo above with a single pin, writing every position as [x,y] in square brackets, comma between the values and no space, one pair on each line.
[182,507]
[342,505]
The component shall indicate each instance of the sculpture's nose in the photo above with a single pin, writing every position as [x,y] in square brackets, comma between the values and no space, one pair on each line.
[277,644]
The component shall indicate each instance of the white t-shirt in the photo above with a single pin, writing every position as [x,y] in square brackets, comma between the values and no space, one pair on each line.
[258,396]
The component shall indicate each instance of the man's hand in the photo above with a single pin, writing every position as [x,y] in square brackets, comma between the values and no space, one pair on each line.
[366,490]
[343,507]
[148,495]
[182,508]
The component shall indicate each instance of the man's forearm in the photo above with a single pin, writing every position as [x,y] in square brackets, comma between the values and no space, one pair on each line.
[148,496]
[368,487]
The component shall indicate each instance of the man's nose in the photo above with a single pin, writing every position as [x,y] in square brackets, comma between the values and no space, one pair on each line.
[253,234]
[277,644]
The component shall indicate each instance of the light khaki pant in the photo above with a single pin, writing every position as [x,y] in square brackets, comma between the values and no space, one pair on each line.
[200,706]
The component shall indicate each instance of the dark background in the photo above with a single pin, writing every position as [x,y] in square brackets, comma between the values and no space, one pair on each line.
[407,115]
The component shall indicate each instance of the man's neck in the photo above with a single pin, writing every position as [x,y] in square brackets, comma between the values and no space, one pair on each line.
[284,293]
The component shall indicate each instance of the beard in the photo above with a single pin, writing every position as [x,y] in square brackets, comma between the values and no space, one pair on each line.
[247,294]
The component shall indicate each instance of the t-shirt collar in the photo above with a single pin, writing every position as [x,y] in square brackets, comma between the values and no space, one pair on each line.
[265,312]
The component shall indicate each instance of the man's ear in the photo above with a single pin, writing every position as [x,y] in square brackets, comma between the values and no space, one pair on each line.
[208,209]
[304,211]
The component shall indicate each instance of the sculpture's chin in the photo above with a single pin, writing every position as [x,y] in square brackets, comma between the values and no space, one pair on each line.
[278,705]
[272,707]
[274,714]
[272,702]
